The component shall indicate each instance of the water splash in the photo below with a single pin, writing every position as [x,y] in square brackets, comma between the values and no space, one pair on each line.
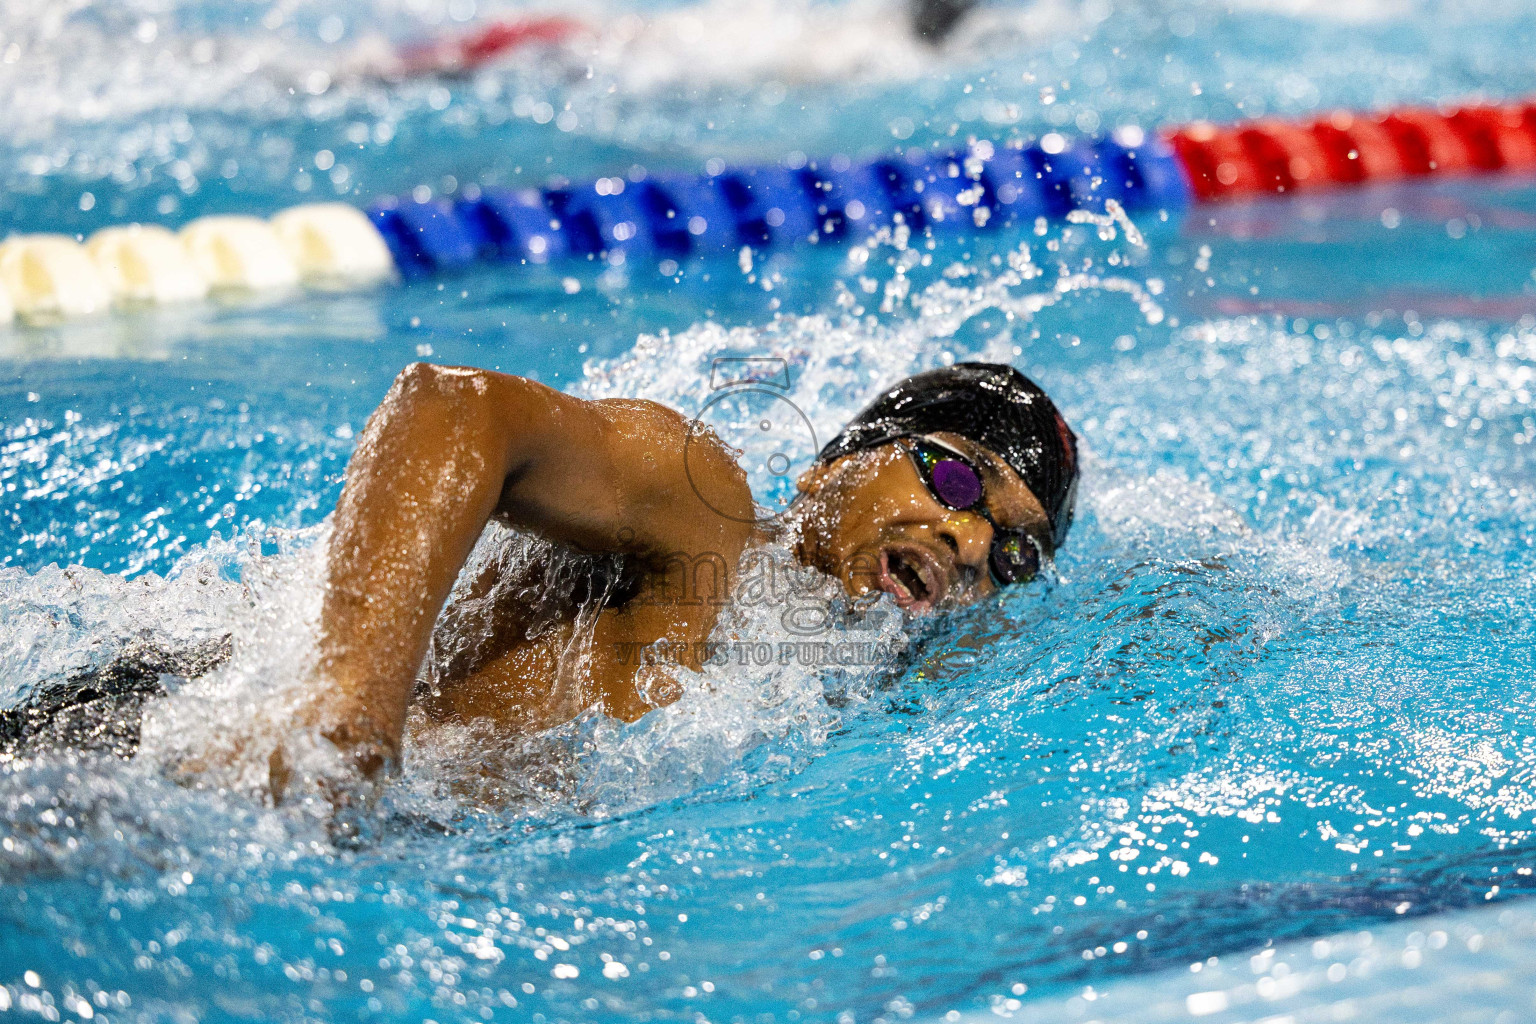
[1291,632]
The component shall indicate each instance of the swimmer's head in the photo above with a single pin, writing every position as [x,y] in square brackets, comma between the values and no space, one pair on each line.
[952,483]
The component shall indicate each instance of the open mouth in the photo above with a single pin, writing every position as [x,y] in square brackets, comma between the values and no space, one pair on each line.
[910,578]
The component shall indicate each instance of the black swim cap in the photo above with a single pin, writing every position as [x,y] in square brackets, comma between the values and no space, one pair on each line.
[995,406]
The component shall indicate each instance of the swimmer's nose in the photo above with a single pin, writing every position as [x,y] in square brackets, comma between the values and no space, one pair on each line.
[969,536]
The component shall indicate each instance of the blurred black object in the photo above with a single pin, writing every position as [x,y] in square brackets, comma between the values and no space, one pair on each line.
[98,710]
[934,20]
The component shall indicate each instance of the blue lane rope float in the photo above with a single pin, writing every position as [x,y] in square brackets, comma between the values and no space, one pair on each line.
[980,189]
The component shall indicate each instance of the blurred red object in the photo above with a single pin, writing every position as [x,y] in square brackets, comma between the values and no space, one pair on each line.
[1502,136]
[469,51]
[1288,156]
[1427,143]
[1226,162]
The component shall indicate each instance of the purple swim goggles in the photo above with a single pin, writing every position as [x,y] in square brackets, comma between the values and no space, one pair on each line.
[956,483]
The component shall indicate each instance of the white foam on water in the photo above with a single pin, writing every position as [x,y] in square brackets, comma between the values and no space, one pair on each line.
[59,620]
[87,61]
[221,730]
[63,63]
[1355,12]
[797,42]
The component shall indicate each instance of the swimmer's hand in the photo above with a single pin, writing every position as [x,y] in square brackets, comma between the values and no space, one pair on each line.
[285,753]
[285,748]
[448,449]
[353,759]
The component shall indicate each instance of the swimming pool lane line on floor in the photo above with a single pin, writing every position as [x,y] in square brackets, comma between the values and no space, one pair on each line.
[983,187]
[1464,966]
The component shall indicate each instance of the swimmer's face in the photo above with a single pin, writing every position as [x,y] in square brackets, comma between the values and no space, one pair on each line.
[871,521]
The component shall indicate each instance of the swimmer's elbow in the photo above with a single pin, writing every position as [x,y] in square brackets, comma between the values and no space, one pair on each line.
[427,381]
[451,408]
[414,377]
[462,396]
[418,386]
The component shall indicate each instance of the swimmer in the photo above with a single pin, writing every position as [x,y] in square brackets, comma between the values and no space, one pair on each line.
[951,485]
[732,35]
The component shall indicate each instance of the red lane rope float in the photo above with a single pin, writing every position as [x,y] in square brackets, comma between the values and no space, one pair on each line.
[469,51]
[1228,162]
[1509,133]
[1358,149]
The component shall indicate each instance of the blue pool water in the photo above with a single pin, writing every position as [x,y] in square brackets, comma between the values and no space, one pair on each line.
[1280,690]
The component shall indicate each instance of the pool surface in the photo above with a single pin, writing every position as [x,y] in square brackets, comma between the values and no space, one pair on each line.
[1272,719]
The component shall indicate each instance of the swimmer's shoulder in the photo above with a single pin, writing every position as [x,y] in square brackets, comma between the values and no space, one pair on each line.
[684,454]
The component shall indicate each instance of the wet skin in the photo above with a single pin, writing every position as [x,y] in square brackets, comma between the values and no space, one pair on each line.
[449,449]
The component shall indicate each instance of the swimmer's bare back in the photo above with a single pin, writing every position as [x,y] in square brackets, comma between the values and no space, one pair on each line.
[448,450]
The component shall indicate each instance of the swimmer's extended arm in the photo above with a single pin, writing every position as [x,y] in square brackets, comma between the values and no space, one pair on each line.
[446,450]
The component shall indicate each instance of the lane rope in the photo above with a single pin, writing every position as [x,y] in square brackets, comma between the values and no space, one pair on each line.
[983,187]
